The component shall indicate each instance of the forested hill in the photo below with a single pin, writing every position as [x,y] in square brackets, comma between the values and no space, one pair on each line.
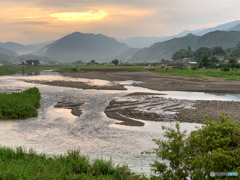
[80,46]
[6,55]
[218,38]
[166,49]
[7,52]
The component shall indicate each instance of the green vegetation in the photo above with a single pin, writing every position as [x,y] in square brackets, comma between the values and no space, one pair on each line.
[215,147]
[106,67]
[20,105]
[202,73]
[115,62]
[214,52]
[198,54]
[20,164]
[10,70]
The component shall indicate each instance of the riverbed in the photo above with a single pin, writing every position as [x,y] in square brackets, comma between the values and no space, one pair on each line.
[56,130]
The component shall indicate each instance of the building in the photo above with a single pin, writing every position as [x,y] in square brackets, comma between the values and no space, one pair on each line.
[226,61]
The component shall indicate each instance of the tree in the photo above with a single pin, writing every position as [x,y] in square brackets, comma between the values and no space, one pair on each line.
[93,61]
[32,62]
[183,53]
[215,147]
[115,62]
[205,62]
[215,60]
[219,51]
[232,63]
[199,53]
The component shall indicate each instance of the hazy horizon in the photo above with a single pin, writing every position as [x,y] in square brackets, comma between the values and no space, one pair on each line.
[26,22]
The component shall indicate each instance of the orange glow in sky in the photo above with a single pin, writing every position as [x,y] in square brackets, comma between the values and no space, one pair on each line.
[80,16]
[26,21]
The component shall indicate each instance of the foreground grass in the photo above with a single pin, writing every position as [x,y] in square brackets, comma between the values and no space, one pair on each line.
[20,105]
[20,164]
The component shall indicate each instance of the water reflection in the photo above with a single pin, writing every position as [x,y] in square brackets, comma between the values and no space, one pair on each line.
[36,73]
[55,131]
[202,96]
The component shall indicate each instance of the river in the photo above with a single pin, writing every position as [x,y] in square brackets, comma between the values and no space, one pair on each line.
[56,130]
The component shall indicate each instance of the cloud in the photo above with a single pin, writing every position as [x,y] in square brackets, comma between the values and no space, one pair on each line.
[32,23]
[80,16]
[118,18]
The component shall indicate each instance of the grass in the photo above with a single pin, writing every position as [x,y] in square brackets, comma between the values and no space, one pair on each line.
[10,70]
[127,68]
[233,74]
[20,105]
[20,164]
[202,73]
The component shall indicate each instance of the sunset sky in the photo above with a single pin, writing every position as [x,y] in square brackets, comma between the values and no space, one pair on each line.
[31,21]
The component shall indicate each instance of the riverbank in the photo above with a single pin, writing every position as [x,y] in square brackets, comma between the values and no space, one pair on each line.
[163,82]
[158,108]
[160,81]
[155,107]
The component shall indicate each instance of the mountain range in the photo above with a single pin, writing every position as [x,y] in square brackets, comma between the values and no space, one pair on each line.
[141,42]
[23,49]
[86,47]
[165,50]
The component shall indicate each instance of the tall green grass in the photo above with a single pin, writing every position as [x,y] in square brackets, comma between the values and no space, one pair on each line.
[20,164]
[20,105]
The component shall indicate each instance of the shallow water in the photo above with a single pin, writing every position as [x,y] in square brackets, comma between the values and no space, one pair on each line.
[55,130]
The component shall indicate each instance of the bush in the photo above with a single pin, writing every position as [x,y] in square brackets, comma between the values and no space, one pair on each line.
[213,148]
[194,67]
[225,68]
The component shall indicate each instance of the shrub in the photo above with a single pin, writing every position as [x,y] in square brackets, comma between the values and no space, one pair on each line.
[213,148]
[194,67]
[225,68]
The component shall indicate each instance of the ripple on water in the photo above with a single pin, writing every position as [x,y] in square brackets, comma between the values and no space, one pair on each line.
[55,131]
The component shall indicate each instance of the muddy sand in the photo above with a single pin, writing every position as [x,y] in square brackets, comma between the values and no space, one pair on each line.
[155,107]
[161,82]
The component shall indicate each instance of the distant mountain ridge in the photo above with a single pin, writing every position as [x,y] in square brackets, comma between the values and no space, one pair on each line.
[141,42]
[80,46]
[23,49]
[165,50]
[222,27]
[7,55]
[8,52]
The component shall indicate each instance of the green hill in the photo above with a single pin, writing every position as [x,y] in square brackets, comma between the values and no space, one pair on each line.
[218,38]
[6,55]
[166,49]
[82,46]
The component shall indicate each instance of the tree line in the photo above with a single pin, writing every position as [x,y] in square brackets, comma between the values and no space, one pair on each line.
[213,52]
